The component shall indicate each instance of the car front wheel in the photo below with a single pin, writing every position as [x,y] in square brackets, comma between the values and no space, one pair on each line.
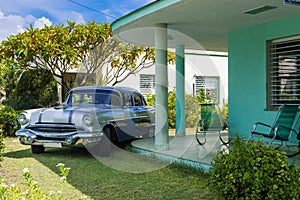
[37,149]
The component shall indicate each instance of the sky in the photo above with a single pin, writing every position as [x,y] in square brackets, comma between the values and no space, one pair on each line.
[17,15]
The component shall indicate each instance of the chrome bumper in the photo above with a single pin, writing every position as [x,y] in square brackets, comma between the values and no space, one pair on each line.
[29,137]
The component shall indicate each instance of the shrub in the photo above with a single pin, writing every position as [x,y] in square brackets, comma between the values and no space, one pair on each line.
[171,106]
[224,111]
[254,171]
[1,146]
[36,88]
[8,120]
[191,105]
[172,109]
[191,111]
[150,99]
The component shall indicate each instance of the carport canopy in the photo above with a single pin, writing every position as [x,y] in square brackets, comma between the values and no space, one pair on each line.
[190,24]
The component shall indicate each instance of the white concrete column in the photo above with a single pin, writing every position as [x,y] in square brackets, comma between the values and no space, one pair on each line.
[161,88]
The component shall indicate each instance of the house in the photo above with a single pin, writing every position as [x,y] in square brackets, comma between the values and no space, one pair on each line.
[262,38]
[206,70]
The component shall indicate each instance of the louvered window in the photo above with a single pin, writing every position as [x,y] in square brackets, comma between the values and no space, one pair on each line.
[284,72]
[210,86]
[147,83]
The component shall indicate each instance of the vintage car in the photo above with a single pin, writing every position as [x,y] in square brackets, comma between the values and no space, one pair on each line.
[93,116]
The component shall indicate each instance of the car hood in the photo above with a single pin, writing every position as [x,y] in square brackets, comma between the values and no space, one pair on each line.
[62,114]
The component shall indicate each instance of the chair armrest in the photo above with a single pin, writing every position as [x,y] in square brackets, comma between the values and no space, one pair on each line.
[259,124]
[287,128]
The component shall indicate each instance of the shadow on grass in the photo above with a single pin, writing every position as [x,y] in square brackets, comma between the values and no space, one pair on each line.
[102,181]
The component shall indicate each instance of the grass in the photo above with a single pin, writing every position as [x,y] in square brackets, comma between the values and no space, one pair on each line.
[116,177]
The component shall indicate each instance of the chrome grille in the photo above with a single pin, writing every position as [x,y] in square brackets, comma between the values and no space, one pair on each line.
[55,128]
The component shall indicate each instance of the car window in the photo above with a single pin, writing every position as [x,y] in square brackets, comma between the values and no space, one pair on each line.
[90,97]
[115,99]
[112,98]
[138,101]
[102,98]
[127,99]
[82,98]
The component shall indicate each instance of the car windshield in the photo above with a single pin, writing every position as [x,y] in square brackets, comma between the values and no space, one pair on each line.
[94,97]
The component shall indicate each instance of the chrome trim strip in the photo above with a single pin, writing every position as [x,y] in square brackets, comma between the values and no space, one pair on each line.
[73,135]
[41,114]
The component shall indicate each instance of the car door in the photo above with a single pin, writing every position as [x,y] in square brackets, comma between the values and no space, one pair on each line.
[136,117]
[139,112]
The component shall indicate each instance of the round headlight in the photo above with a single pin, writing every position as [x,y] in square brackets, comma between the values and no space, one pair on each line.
[22,119]
[87,120]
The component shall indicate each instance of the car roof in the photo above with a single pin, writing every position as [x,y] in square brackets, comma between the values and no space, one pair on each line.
[107,88]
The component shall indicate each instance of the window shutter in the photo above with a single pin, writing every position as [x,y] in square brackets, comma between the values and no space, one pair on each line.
[210,86]
[284,72]
[147,83]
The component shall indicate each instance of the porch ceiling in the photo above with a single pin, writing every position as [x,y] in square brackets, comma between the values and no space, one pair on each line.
[194,22]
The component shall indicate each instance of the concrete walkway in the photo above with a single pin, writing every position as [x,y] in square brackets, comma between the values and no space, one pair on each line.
[187,150]
[184,149]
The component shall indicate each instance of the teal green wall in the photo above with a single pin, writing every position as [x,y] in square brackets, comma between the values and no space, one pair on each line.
[247,72]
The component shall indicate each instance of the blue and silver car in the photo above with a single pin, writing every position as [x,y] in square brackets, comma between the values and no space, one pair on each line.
[93,116]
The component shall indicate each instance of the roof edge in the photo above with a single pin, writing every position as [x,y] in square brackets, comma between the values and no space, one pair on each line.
[141,12]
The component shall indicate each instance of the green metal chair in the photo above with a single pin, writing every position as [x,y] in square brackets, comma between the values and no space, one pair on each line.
[211,120]
[282,128]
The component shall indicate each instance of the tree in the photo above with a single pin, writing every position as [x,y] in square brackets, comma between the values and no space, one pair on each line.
[113,61]
[3,72]
[8,79]
[56,48]
[62,48]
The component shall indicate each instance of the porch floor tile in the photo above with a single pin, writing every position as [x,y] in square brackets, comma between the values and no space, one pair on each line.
[186,149]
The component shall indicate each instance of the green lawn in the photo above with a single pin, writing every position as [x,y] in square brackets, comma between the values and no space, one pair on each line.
[90,177]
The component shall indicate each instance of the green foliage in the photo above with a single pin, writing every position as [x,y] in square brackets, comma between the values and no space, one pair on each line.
[191,107]
[8,78]
[56,48]
[8,120]
[90,46]
[36,88]
[201,96]
[2,146]
[131,58]
[150,99]
[172,109]
[33,190]
[64,171]
[4,69]
[171,106]
[96,180]
[191,111]
[224,111]
[254,171]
